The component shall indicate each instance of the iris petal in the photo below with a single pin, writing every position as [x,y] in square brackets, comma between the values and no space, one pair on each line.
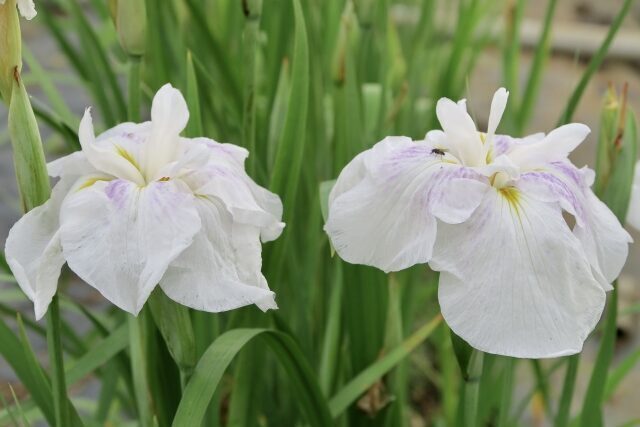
[33,249]
[220,271]
[383,208]
[120,238]
[515,281]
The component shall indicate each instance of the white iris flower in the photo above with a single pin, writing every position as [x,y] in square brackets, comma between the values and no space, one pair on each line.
[141,206]
[486,211]
[26,7]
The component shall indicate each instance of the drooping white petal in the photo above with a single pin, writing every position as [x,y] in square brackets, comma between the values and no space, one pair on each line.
[633,215]
[220,271]
[498,104]
[120,238]
[555,146]
[601,234]
[461,132]
[27,9]
[383,208]
[105,156]
[33,250]
[515,281]
[169,117]
[224,177]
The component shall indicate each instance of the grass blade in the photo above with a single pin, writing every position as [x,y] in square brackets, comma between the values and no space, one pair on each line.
[291,146]
[592,407]
[194,127]
[30,374]
[222,351]
[594,64]
[54,344]
[365,379]
[531,90]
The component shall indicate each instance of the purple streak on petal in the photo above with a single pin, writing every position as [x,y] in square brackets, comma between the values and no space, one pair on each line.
[502,144]
[117,191]
[570,171]
[562,190]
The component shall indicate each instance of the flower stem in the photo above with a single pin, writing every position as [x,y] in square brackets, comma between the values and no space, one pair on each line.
[507,390]
[139,368]
[562,417]
[133,87]
[471,389]
[252,10]
[54,343]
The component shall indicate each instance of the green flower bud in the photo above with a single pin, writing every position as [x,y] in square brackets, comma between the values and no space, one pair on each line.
[10,47]
[617,147]
[131,24]
[28,155]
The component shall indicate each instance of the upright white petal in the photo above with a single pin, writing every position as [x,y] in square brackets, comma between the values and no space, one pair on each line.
[220,271]
[33,250]
[120,238]
[515,281]
[633,216]
[555,146]
[383,208]
[498,104]
[461,132]
[107,157]
[169,117]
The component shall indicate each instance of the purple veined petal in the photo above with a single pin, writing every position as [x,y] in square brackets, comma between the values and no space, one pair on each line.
[120,237]
[384,205]
[33,249]
[169,117]
[220,271]
[515,280]
[502,144]
[108,157]
[601,234]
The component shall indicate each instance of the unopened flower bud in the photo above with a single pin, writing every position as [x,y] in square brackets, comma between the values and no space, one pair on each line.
[131,24]
[10,47]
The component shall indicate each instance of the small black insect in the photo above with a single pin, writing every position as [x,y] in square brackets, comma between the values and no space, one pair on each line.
[437,151]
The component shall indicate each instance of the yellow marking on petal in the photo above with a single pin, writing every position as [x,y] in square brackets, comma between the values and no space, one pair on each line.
[164,179]
[511,195]
[127,156]
[90,182]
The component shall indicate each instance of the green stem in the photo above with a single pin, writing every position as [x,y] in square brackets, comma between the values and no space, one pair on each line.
[54,343]
[471,388]
[139,368]
[253,11]
[562,418]
[507,390]
[133,87]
